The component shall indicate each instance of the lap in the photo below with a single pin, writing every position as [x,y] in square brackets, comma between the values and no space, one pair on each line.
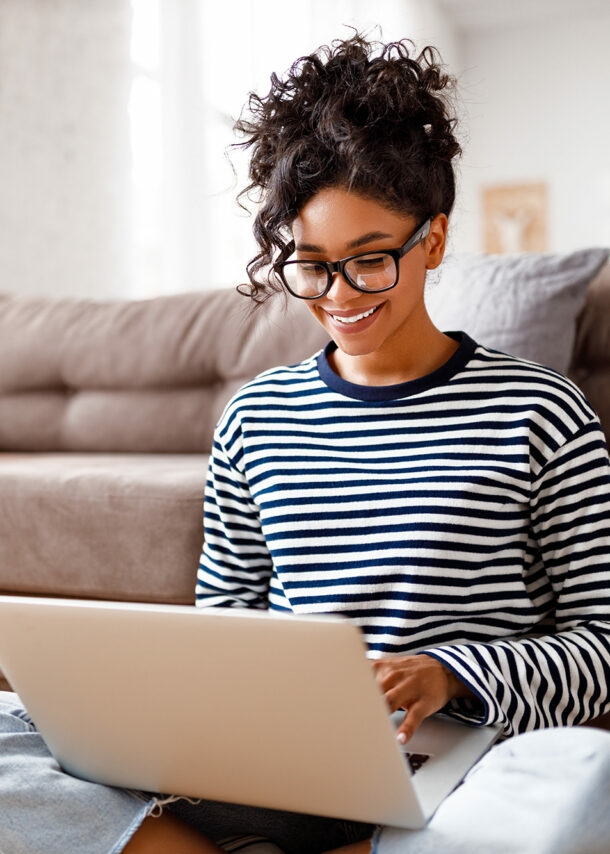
[293,833]
[541,793]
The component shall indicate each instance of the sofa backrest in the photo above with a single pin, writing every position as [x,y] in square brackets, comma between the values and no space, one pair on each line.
[154,375]
[590,365]
[136,375]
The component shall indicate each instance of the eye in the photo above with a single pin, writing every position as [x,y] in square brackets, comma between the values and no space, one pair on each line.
[370,263]
[311,268]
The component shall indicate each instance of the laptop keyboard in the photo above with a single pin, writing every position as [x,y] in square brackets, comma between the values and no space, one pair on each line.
[416,760]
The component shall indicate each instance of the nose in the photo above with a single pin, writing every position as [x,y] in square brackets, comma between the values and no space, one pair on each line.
[341,291]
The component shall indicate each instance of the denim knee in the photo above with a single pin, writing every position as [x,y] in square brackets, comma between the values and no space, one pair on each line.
[44,810]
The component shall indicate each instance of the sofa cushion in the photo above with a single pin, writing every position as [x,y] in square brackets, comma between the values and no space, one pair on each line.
[119,526]
[136,375]
[590,366]
[176,420]
[526,305]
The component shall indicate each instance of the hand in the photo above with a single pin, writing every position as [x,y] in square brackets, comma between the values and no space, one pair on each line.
[420,685]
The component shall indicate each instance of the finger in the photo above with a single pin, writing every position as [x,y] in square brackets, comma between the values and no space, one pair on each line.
[382,670]
[401,697]
[411,721]
[390,665]
[389,677]
[389,684]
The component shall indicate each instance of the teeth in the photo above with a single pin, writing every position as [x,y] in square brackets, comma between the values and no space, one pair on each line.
[355,318]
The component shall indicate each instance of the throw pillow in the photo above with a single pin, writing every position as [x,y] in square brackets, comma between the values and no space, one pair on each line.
[525,305]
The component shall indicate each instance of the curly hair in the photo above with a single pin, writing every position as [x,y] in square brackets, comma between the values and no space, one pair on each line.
[356,114]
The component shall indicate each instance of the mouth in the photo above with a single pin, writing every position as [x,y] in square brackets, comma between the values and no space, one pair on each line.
[353,318]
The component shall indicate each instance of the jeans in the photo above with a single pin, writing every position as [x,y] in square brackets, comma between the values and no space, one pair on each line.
[546,792]
[43,810]
[293,833]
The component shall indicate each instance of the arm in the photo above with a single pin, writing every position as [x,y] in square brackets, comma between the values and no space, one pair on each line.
[560,677]
[235,565]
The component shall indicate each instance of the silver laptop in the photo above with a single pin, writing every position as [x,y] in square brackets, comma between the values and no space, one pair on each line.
[243,706]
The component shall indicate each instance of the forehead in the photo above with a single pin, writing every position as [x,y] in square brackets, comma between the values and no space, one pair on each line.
[336,219]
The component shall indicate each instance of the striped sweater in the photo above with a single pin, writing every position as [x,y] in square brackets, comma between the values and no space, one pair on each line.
[465,514]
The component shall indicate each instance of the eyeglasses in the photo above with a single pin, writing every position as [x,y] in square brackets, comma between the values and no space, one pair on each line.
[369,272]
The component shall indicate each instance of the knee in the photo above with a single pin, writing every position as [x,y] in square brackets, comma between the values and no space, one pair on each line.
[13,716]
[562,743]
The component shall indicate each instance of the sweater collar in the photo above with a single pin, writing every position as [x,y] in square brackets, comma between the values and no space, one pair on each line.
[439,377]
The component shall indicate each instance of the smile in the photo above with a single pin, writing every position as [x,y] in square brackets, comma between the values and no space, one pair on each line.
[355,317]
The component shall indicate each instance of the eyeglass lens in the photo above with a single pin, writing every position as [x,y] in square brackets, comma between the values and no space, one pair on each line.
[374,271]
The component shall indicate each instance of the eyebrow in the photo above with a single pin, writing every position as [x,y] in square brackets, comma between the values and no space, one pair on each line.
[353,244]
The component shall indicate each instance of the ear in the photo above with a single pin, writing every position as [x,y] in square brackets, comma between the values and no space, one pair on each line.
[435,241]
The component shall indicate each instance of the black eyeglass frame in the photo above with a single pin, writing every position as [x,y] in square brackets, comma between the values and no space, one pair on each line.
[333,267]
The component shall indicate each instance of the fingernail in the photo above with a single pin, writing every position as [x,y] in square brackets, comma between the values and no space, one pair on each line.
[401,737]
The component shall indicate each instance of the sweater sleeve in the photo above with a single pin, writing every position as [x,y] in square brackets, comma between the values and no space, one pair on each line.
[561,676]
[235,565]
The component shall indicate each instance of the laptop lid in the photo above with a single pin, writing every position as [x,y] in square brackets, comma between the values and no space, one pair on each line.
[244,706]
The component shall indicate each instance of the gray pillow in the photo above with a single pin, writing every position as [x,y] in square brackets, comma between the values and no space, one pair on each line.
[525,305]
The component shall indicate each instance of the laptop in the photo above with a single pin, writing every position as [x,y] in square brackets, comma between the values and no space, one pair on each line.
[237,705]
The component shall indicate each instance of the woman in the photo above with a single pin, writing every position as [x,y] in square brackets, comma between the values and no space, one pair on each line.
[451,500]
[448,498]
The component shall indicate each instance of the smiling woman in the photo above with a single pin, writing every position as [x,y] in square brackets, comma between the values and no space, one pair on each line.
[404,477]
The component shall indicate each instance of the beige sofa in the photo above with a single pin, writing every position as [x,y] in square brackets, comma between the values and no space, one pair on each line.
[107,411]
[106,417]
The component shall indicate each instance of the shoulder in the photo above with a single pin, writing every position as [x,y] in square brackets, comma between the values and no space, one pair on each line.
[497,368]
[282,380]
[275,386]
[526,386]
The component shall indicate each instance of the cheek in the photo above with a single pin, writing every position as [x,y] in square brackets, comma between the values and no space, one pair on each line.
[315,309]
[412,268]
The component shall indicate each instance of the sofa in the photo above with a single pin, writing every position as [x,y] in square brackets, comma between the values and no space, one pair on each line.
[107,408]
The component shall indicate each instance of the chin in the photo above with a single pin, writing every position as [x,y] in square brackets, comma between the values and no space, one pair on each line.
[352,348]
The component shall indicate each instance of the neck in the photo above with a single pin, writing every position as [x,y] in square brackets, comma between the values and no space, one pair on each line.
[427,351]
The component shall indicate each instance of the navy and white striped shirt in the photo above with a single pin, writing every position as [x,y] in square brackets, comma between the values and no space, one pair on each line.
[465,514]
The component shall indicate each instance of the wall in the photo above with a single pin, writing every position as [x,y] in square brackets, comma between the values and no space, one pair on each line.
[534,101]
[64,146]
[537,110]
[430,25]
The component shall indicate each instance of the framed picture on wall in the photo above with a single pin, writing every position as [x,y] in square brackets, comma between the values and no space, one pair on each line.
[515,218]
